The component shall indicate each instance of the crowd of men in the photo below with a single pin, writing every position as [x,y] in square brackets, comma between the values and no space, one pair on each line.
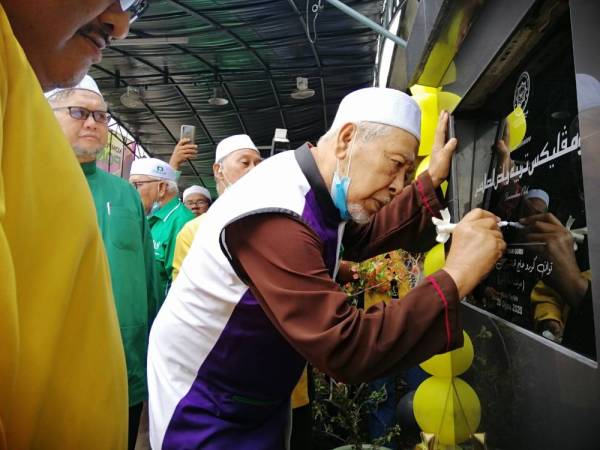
[228,299]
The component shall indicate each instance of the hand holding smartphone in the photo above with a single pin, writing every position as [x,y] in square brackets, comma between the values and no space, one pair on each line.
[188,132]
[186,150]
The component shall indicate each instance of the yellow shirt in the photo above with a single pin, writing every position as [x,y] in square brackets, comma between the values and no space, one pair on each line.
[548,305]
[184,242]
[62,371]
[300,393]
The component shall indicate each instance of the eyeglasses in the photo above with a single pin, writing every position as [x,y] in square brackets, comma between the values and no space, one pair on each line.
[196,203]
[80,113]
[135,8]
[138,184]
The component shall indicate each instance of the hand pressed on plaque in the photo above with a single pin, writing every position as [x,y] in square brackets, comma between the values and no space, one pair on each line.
[441,153]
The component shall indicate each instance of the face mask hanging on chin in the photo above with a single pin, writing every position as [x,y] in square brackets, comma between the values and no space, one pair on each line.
[340,185]
[155,207]
[228,184]
[339,194]
[155,204]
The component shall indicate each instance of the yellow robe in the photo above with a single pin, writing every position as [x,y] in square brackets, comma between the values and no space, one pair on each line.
[184,242]
[62,372]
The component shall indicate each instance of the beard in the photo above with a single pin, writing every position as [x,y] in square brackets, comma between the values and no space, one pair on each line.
[81,152]
[359,214]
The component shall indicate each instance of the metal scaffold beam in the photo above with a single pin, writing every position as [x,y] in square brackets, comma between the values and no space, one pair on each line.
[367,22]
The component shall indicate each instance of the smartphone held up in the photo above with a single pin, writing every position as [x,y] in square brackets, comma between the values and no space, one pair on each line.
[188,132]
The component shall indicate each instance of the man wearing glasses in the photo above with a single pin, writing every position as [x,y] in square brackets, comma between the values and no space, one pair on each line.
[197,199]
[156,182]
[62,367]
[82,114]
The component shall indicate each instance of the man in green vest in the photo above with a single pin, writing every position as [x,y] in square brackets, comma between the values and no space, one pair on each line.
[82,114]
[156,182]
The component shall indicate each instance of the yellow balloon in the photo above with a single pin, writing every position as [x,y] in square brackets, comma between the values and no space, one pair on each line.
[454,36]
[434,260]
[516,124]
[451,364]
[448,101]
[449,76]
[427,101]
[437,64]
[419,89]
[448,408]
[423,166]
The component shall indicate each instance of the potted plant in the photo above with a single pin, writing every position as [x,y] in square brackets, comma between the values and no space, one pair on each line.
[340,412]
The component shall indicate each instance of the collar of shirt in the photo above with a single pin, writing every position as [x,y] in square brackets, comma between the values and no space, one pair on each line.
[165,211]
[89,168]
[308,165]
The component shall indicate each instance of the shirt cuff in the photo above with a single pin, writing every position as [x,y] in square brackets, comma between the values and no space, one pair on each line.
[431,199]
[447,291]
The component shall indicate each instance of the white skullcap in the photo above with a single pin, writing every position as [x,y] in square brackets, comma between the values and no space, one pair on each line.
[232,144]
[380,105]
[539,193]
[153,167]
[197,190]
[87,84]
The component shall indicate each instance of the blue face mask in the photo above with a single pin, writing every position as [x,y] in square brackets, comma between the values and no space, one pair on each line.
[339,194]
[155,204]
[155,207]
[340,185]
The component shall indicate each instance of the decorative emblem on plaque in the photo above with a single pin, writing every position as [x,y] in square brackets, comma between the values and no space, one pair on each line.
[522,91]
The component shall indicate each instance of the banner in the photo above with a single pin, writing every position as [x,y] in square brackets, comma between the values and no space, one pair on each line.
[116,157]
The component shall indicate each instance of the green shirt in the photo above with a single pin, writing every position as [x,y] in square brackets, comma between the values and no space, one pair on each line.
[165,225]
[128,245]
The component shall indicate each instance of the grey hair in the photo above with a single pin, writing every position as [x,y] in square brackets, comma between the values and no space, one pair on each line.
[367,131]
[172,187]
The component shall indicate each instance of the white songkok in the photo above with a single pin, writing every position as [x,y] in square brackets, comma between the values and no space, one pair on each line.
[197,190]
[538,193]
[153,167]
[380,105]
[232,144]
[87,84]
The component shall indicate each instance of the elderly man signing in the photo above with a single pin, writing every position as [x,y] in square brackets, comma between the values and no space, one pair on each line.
[156,182]
[259,298]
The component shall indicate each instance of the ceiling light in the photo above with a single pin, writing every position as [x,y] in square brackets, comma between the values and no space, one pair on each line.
[132,98]
[280,141]
[217,98]
[302,90]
